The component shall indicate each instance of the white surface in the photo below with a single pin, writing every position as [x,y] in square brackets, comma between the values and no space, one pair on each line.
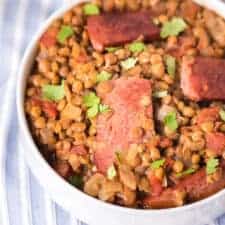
[89,209]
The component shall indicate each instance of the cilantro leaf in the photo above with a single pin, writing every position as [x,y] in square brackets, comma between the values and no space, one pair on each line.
[92,111]
[112,49]
[64,33]
[211,165]
[137,46]
[222,114]
[170,121]
[103,76]
[111,172]
[128,63]
[186,172]
[76,180]
[103,108]
[53,92]
[160,94]
[91,9]
[91,99]
[157,164]
[171,65]
[173,27]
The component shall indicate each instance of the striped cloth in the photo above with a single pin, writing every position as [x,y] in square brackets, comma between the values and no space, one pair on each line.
[22,200]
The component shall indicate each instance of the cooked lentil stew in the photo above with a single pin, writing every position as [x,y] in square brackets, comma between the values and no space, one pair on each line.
[126,101]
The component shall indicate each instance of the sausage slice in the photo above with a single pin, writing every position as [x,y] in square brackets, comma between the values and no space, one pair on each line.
[126,124]
[115,28]
[203,78]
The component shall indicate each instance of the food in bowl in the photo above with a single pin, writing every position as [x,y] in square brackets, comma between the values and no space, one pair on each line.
[126,101]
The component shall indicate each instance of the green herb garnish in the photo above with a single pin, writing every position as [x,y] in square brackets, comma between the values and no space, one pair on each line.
[103,108]
[77,181]
[222,114]
[64,33]
[137,46]
[112,49]
[92,111]
[92,102]
[186,172]
[171,65]
[128,63]
[111,172]
[160,94]
[173,27]
[170,121]
[91,9]
[91,99]
[211,165]
[53,92]
[103,76]
[157,164]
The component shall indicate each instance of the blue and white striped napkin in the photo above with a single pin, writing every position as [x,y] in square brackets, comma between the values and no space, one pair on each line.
[22,200]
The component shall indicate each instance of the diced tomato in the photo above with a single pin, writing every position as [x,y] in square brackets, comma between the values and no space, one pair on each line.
[165,142]
[155,184]
[48,39]
[216,142]
[49,109]
[169,198]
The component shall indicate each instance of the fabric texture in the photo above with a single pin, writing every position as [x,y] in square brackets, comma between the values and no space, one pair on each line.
[22,200]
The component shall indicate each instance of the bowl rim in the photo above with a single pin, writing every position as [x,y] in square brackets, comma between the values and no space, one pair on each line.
[20,88]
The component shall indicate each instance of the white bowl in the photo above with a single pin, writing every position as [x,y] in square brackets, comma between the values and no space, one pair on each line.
[84,207]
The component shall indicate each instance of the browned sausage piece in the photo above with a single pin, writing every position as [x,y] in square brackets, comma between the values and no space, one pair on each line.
[168,199]
[194,187]
[216,142]
[203,78]
[115,28]
[131,108]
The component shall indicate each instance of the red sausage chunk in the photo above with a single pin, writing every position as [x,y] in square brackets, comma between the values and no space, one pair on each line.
[216,142]
[117,28]
[193,187]
[131,109]
[203,78]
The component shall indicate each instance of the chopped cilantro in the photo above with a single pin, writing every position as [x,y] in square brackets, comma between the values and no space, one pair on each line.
[211,165]
[53,92]
[91,99]
[92,111]
[103,108]
[137,46]
[128,63]
[103,76]
[186,172]
[112,49]
[111,172]
[64,33]
[171,65]
[157,164]
[170,121]
[222,114]
[92,102]
[91,9]
[173,27]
